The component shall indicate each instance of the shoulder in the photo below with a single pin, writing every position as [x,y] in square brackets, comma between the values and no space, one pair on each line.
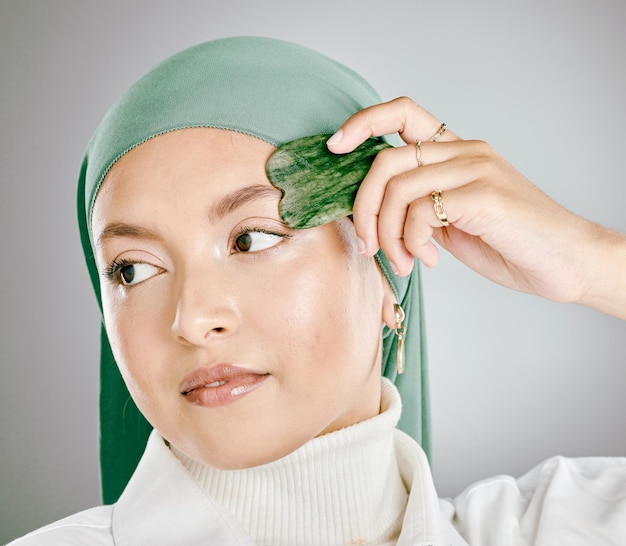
[580,500]
[91,527]
[557,477]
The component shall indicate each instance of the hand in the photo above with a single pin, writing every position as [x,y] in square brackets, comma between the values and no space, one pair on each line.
[500,224]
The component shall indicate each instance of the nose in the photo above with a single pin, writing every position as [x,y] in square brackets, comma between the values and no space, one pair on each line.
[205,309]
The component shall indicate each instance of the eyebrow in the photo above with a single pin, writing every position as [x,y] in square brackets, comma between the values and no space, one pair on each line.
[234,200]
[226,205]
[122,229]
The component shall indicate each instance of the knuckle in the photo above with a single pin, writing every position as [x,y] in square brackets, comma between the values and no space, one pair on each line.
[415,215]
[413,246]
[489,195]
[418,237]
[361,121]
[361,114]
[396,184]
[483,161]
[390,245]
[384,155]
[409,107]
[384,162]
[482,149]
[361,209]
[405,102]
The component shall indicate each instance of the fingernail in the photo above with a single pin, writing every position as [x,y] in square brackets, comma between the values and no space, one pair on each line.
[335,138]
[360,245]
[393,268]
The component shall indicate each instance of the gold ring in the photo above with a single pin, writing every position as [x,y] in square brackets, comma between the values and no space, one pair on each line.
[442,129]
[440,210]
[418,153]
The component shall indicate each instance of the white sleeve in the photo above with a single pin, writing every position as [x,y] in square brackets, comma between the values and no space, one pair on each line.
[91,527]
[561,502]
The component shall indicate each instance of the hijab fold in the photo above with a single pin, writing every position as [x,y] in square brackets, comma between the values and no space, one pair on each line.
[276,91]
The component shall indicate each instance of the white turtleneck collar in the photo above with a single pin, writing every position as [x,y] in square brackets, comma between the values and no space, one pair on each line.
[340,488]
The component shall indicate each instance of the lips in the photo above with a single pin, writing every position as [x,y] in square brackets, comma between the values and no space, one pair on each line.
[220,385]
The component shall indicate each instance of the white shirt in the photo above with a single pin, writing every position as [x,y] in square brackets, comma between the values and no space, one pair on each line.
[562,502]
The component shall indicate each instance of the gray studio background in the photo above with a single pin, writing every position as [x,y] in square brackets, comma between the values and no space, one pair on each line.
[514,379]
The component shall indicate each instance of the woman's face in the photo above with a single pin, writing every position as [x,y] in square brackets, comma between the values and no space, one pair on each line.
[239,338]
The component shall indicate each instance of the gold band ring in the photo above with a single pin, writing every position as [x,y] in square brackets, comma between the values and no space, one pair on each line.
[440,210]
[418,153]
[442,129]
[418,145]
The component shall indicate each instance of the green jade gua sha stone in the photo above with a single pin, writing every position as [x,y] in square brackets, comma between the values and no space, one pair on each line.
[318,186]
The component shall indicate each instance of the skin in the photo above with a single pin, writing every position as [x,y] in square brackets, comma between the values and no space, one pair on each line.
[284,310]
[501,225]
[291,306]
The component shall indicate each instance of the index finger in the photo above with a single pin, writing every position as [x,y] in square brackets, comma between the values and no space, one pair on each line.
[402,115]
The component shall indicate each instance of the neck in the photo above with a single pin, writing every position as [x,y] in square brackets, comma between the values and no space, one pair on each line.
[342,487]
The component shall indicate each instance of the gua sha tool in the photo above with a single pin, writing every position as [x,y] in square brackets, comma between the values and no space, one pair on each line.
[318,186]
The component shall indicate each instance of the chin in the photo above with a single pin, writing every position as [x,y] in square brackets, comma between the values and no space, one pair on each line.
[240,456]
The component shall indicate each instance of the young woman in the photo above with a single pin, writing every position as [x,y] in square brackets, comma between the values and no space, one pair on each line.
[255,350]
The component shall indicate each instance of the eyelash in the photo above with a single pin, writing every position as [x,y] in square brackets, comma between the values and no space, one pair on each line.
[245,230]
[111,272]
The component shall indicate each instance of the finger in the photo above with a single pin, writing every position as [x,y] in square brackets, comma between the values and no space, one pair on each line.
[462,237]
[401,115]
[390,163]
[395,212]
[394,182]
[414,238]
[387,164]
[420,227]
[407,215]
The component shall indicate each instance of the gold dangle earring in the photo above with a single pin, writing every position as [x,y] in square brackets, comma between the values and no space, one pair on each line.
[400,331]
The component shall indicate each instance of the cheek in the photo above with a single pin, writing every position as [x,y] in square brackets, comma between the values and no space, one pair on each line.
[290,307]
[135,330]
[325,310]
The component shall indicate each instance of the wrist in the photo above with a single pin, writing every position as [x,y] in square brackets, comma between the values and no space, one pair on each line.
[606,290]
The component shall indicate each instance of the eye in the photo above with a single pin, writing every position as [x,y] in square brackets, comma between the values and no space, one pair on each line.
[256,240]
[130,273]
[136,273]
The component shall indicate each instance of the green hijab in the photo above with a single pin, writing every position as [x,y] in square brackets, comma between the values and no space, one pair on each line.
[276,91]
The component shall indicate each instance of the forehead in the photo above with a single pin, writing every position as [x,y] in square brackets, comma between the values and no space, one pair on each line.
[189,149]
[169,165]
